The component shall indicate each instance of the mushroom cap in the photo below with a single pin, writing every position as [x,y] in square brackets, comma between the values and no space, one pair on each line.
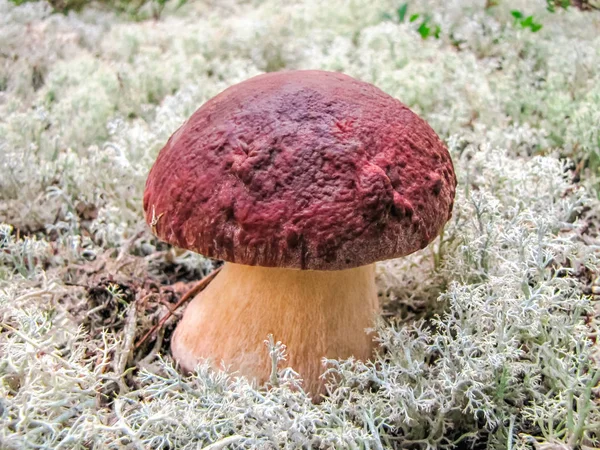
[302,169]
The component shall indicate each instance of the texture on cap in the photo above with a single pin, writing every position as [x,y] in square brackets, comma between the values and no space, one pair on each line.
[303,169]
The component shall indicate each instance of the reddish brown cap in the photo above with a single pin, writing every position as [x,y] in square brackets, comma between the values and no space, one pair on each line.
[303,169]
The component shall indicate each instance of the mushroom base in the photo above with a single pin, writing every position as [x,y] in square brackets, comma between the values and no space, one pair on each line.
[315,314]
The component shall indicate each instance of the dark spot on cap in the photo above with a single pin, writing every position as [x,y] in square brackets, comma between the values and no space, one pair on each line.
[437,186]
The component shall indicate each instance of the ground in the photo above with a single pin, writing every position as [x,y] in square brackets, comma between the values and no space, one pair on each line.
[488,337]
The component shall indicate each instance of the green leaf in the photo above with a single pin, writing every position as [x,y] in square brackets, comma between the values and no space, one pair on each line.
[536,27]
[413,17]
[424,30]
[527,22]
[516,14]
[437,31]
[402,12]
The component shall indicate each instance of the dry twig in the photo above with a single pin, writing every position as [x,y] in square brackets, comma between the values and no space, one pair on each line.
[199,287]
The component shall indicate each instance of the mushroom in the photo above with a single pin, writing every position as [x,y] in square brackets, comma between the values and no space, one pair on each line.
[300,181]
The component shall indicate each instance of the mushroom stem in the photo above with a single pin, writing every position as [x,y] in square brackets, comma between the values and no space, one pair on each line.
[315,314]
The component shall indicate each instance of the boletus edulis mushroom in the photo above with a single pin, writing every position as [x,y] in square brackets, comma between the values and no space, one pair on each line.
[300,181]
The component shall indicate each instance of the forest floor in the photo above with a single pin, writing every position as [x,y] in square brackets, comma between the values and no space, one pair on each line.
[488,337]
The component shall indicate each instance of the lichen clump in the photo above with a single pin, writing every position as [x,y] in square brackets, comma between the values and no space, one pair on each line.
[489,335]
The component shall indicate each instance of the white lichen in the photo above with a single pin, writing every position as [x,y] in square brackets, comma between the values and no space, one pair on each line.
[488,335]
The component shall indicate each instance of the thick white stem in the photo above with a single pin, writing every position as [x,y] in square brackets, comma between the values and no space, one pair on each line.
[315,314]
